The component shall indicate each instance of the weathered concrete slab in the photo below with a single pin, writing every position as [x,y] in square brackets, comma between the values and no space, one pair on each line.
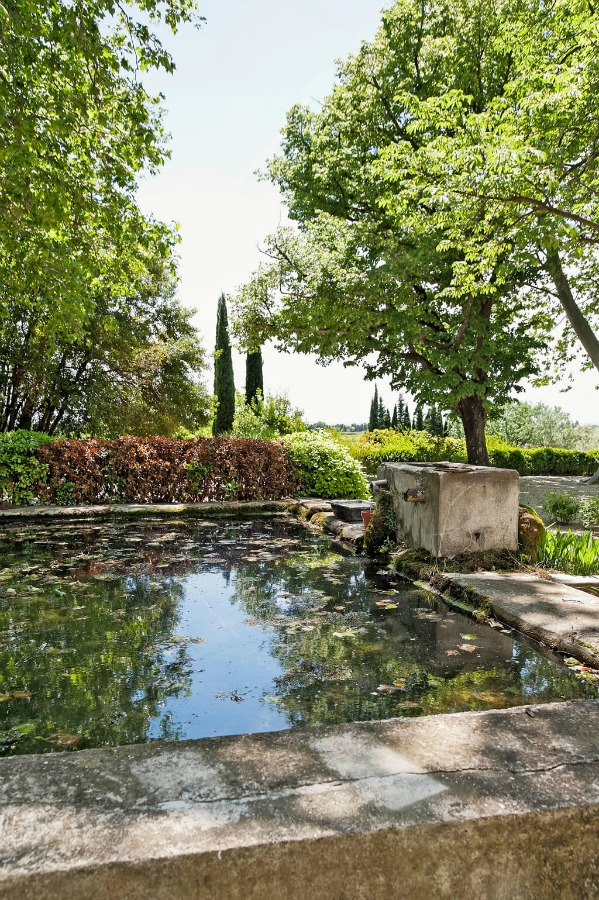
[208,509]
[451,508]
[500,804]
[561,616]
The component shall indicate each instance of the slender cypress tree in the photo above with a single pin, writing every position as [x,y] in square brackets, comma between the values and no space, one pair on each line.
[254,380]
[373,421]
[406,421]
[418,422]
[394,417]
[380,418]
[429,419]
[224,385]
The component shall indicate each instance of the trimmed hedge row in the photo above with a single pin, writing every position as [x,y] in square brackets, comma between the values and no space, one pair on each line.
[374,448]
[153,470]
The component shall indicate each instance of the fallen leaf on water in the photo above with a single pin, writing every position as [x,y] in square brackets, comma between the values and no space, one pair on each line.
[469,637]
[21,695]
[469,648]
[388,688]
[452,653]
[409,704]
[64,741]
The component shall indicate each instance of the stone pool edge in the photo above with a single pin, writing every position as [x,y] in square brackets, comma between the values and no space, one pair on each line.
[208,509]
[501,804]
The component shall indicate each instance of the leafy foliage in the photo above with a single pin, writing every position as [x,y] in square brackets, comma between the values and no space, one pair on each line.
[562,507]
[269,418]
[536,425]
[77,256]
[371,275]
[325,467]
[589,512]
[20,471]
[577,554]
[374,448]
[162,470]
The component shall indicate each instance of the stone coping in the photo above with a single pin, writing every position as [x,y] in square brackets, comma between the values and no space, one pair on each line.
[206,510]
[501,804]
[556,613]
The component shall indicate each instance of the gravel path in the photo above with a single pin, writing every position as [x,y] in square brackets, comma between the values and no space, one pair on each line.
[534,487]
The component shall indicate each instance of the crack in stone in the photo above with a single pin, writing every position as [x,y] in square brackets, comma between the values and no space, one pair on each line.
[336,782]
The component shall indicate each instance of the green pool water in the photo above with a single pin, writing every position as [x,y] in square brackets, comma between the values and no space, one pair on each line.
[148,629]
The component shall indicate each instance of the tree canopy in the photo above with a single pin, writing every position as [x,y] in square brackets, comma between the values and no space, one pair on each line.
[77,256]
[374,275]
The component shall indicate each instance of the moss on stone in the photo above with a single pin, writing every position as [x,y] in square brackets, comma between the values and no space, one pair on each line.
[530,532]
[381,533]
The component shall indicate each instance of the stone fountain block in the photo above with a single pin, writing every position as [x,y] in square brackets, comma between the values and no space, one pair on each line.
[451,508]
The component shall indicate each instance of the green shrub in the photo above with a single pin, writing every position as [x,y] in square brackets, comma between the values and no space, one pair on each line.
[375,447]
[20,471]
[561,507]
[267,418]
[325,467]
[589,512]
[577,554]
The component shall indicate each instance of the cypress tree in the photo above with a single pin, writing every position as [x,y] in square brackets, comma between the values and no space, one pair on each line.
[400,407]
[406,421]
[373,421]
[419,417]
[385,419]
[394,417]
[429,420]
[224,385]
[380,417]
[254,379]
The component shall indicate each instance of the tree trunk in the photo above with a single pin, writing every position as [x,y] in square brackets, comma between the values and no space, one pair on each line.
[473,416]
[579,323]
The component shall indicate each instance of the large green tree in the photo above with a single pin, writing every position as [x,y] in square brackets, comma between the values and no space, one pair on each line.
[224,384]
[77,128]
[370,277]
[516,175]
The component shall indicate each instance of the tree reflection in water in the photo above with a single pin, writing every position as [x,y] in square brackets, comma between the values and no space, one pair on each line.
[98,647]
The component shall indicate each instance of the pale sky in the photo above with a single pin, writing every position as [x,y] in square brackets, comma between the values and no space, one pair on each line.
[225,106]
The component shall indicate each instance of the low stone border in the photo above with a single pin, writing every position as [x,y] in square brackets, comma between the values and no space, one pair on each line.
[211,509]
[547,610]
[320,515]
[501,804]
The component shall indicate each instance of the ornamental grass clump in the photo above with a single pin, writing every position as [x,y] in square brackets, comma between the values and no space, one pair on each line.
[576,554]
[324,466]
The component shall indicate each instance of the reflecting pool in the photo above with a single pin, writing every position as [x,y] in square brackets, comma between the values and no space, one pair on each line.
[138,630]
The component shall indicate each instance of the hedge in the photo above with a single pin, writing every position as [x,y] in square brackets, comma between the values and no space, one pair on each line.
[155,470]
[374,448]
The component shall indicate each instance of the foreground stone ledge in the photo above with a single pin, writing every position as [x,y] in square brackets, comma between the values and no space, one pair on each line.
[501,804]
[546,609]
[107,510]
